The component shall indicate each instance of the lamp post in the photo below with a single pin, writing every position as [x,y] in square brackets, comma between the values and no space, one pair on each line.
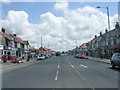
[41,43]
[107,15]
[42,40]
[75,46]
[108,20]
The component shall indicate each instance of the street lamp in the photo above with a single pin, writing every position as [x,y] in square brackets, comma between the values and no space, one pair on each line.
[108,20]
[41,43]
[107,15]
[41,39]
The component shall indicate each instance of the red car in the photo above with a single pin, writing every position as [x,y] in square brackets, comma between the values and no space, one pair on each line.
[13,59]
[16,60]
[82,56]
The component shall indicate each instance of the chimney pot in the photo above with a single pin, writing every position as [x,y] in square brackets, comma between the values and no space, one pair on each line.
[95,36]
[117,25]
[106,30]
[14,35]
[100,33]
[3,30]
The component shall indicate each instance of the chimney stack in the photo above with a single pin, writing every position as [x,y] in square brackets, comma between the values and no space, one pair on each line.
[100,33]
[117,25]
[14,35]
[95,36]
[106,31]
[3,30]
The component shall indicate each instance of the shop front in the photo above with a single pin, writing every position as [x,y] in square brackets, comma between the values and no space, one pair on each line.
[14,54]
[8,51]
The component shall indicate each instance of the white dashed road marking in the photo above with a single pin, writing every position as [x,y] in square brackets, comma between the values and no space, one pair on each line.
[81,65]
[56,77]
[72,66]
[69,62]
[58,66]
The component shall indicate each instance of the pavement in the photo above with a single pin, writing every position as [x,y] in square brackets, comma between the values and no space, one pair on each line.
[100,60]
[63,72]
[9,66]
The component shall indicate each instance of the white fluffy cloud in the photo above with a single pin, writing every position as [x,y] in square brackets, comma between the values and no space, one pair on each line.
[61,33]
[62,6]
[17,22]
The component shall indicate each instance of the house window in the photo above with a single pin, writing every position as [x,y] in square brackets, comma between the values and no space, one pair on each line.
[18,45]
[111,40]
[106,42]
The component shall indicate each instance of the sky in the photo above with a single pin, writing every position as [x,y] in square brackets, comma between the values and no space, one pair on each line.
[63,25]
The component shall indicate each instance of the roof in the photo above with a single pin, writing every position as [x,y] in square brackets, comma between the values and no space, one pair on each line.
[26,42]
[84,45]
[32,49]
[8,36]
[113,33]
[43,49]
[0,34]
[18,39]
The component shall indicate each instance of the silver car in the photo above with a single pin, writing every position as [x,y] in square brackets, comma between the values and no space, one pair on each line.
[40,57]
[115,60]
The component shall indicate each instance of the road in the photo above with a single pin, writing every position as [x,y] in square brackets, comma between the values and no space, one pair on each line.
[62,72]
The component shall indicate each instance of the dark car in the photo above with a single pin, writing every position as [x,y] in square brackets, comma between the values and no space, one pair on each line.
[58,54]
[115,60]
[77,55]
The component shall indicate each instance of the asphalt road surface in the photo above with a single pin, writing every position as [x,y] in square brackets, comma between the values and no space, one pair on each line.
[62,72]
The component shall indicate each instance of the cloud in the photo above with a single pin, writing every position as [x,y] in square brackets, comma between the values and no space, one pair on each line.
[17,22]
[78,25]
[61,6]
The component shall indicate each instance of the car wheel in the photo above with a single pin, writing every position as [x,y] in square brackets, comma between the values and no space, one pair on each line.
[113,65]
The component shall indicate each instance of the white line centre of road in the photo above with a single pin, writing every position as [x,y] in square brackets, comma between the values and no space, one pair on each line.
[78,73]
[81,65]
[72,66]
[69,62]
[58,66]
[56,77]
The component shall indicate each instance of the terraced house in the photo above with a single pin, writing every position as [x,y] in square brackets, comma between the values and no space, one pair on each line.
[105,44]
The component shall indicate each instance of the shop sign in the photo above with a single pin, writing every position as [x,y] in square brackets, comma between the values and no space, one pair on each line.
[8,48]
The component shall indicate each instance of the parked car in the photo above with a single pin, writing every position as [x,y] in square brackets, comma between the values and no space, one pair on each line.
[81,56]
[14,59]
[115,60]
[46,56]
[40,57]
[77,55]
[20,60]
[58,54]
